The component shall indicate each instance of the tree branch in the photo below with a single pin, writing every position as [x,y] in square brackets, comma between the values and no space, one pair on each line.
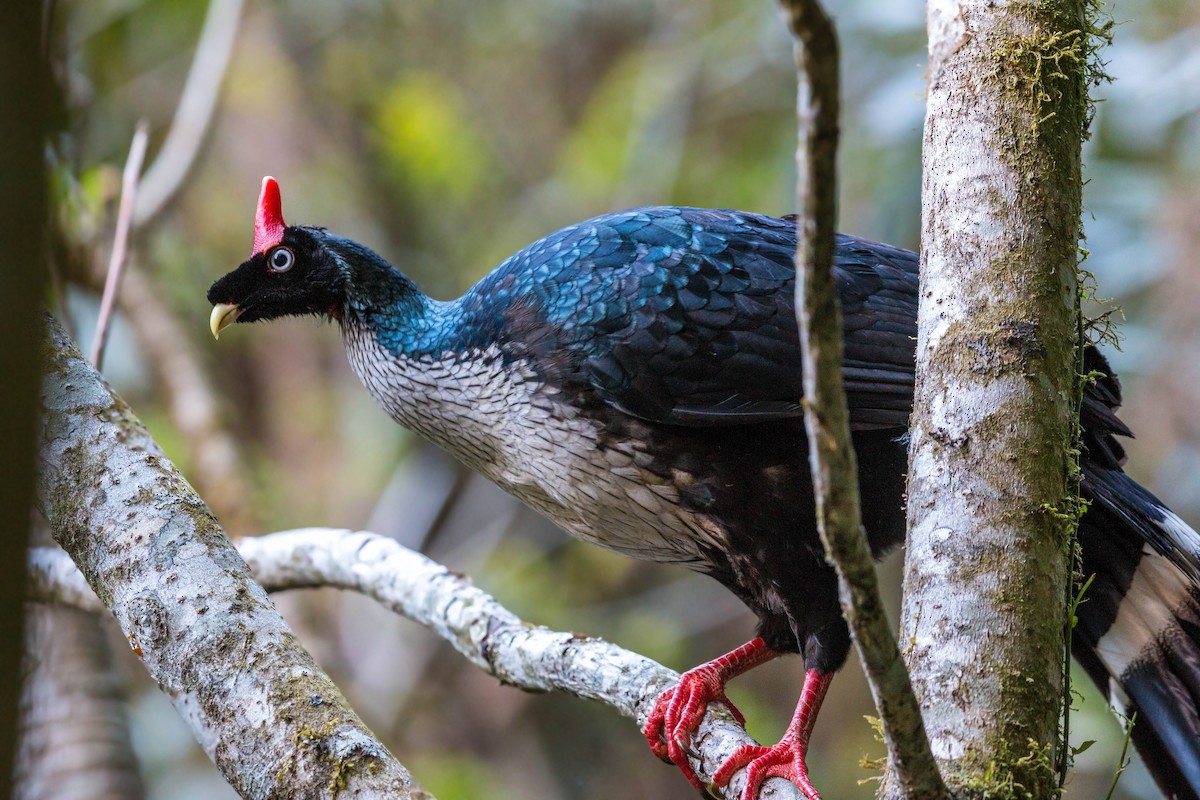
[473,622]
[75,739]
[272,722]
[826,419]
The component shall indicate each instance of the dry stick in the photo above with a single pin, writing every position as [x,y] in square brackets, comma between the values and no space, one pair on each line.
[473,622]
[194,113]
[271,720]
[831,454]
[116,262]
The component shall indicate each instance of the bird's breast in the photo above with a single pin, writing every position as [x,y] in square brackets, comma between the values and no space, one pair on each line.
[530,438]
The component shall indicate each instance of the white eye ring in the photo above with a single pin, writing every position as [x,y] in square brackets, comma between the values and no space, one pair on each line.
[281,259]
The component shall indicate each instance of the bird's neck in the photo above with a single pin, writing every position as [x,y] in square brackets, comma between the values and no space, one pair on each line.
[424,361]
[382,302]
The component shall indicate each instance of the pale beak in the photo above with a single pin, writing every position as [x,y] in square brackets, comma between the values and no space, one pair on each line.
[223,315]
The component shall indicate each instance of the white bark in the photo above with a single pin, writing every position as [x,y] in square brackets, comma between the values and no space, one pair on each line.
[988,563]
[529,657]
[183,597]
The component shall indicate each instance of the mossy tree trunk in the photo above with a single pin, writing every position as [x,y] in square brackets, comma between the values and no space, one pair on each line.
[991,467]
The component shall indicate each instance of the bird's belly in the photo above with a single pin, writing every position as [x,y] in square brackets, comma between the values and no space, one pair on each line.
[502,421]
[599,493]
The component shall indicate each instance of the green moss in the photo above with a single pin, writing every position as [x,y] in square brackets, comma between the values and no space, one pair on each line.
[319,719]
[1048,68]
[1027,775]
[339,769]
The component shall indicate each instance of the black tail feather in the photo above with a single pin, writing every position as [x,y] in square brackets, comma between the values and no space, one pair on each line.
[1139,628]
[1161,690]
[1156,524]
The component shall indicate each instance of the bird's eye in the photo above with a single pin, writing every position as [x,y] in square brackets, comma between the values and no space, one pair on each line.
[281,259]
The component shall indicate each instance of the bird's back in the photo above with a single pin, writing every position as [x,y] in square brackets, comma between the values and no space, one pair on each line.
[685,316]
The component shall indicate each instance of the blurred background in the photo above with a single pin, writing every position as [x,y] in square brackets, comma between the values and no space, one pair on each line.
[447,134]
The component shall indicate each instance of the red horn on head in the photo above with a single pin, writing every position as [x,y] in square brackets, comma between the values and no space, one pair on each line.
[268,220]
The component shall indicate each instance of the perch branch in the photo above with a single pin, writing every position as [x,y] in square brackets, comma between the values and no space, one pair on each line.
[826,419]
[261,708]
[472,621]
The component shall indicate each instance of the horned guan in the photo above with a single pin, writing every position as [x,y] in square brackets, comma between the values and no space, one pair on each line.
[636,378]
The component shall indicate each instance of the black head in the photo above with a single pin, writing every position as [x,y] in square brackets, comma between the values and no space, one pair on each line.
[293,271]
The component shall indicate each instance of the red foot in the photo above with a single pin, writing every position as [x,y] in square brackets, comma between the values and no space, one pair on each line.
[679,709]
[786,759]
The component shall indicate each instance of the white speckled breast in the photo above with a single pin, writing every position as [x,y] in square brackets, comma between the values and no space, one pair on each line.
[503,422]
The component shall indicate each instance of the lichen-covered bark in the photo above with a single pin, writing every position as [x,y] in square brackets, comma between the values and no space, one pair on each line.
[262,709]
[988,557]
[473,622]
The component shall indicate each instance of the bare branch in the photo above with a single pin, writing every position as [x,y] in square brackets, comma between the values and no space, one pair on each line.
[826,419]
[272,722]
[54,578]
[214,454]
[485,632]
[194,113]
[116,261]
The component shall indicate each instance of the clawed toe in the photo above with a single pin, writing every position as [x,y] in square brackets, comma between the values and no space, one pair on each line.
[784,760]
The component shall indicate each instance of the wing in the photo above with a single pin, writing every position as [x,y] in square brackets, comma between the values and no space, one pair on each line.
[686,316]
[877,290]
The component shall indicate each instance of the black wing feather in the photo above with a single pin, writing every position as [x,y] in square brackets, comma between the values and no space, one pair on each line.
[711,337]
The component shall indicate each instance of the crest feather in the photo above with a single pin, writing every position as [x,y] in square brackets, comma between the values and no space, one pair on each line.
[268,219]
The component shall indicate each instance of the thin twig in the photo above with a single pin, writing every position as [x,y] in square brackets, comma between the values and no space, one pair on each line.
[116,262]
[826,419]
[194,114]
[1123,761]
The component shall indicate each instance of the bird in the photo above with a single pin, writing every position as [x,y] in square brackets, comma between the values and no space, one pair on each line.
[636,378]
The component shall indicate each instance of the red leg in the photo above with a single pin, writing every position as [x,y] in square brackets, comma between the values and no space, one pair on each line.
[786,759]
[679,709]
